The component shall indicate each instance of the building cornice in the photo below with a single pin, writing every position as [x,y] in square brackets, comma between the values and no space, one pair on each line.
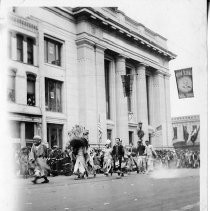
[185,118]
[24,23]
[121,27]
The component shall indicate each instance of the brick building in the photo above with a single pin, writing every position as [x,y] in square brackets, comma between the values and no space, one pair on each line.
[68,66]
[183,127]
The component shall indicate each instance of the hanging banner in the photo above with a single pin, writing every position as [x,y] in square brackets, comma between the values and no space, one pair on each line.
[127,81]
[184,83]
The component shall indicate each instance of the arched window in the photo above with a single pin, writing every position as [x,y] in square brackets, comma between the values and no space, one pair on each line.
[31,86]
[11,86]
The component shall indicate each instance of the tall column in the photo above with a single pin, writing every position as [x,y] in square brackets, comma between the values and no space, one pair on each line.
[22,134]
[100,90]
[121,102]
[142,113]
[168,111]
[160,110]
[42,84]
[87,87]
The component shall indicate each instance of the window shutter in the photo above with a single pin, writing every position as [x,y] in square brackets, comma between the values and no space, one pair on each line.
[14,47]
[35,55]
[25,54]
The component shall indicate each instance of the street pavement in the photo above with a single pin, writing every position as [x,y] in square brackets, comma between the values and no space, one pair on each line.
[164,190]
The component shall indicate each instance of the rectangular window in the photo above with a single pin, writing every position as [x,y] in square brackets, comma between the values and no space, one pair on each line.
[29,130]
[52,51]
[53,95]
[130,133]
[31,99]
[129,98]
[109,134]
[175,132]
[54,135]
[19,48]
[11,87]
[107,88]
[30,43]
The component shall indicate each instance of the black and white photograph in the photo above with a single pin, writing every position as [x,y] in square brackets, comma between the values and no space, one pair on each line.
[104,106]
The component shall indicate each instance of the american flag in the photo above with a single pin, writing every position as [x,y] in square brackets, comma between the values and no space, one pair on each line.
[99,130]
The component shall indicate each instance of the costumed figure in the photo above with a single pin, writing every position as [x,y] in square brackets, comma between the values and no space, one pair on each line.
[38,156]
[91,167]
[150,155]
[78,143]
[107,162]
[79,146]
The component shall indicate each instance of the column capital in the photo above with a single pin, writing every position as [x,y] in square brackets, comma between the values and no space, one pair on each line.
[121,56]
[100,48]
[84,42]
[163,74]
[142,65]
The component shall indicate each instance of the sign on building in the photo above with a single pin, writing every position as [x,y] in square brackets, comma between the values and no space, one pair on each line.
[184,83]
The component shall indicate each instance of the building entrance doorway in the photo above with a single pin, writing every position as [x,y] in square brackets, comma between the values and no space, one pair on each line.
[55,135]
[109,134]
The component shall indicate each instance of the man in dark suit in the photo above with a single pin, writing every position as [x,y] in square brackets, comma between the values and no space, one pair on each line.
[117,154]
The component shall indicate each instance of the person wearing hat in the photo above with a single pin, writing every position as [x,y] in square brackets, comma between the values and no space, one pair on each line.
[150,155]
[107,163]
[38,156]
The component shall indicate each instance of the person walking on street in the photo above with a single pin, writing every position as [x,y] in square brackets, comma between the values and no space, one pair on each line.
[150,155]
[38,156]
[117,154]
[107,163]
[141,158]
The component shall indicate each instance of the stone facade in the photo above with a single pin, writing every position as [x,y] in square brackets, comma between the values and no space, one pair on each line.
[79,55]
[190,122]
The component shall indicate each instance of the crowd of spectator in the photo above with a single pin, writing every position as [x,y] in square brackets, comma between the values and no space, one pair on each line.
[62,162]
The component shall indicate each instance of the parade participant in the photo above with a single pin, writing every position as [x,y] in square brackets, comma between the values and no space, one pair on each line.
[141,159]
[80,149]
[38,156]
[118,154]
[150,154]
[107,162]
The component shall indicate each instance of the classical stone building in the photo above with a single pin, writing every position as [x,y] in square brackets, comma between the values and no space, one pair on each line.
[67,65]
[183,127]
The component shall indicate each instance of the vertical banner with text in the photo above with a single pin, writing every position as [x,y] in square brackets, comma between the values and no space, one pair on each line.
[184,81]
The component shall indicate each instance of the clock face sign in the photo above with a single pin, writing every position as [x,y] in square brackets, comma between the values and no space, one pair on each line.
[184,83]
